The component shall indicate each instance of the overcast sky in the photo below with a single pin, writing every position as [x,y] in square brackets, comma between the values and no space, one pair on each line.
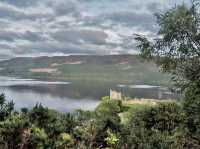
[58,27]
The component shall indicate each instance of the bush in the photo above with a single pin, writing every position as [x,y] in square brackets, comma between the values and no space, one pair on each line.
[192,110]
[111,140]
[38,138]
[155,127]
[11,130]
[108,112]
[64,140]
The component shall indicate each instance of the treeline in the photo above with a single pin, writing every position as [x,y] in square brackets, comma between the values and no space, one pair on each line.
[163,126]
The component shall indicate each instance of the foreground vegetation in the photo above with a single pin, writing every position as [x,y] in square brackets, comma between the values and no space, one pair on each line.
[163,125]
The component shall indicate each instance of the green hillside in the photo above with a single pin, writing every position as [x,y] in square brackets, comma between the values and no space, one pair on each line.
[111,68]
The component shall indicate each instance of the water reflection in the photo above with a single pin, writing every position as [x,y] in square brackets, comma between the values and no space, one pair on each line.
[30,98]
[69,96]
[8,81]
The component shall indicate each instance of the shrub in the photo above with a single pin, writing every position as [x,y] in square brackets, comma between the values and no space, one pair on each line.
[107,114]
[192,110]
[155,127]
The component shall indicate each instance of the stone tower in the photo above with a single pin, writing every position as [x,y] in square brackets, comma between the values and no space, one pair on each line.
[115,95]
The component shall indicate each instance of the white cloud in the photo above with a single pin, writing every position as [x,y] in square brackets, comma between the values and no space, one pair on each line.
[113,37]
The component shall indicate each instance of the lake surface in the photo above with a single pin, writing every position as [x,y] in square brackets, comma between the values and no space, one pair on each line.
[70,96]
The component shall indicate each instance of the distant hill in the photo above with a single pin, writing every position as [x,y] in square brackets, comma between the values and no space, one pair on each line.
[111,68]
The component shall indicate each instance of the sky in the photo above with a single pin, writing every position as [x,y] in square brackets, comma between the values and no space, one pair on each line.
[63,27]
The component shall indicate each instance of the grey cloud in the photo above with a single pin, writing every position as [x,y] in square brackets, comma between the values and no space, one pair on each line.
[9,12]
[32,36]
[61,25]
[8,36]
[16,14]
[81,31]
[77,36]
[21,3]
[50,47]
[66,8]
[132,18]
[3,24]
[154,7]
[5,46]
[61,8]
[11,36]
[92,20]
[146,21]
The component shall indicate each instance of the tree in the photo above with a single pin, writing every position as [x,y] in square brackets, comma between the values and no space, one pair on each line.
[5,108]
[177,50]
[154,127]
